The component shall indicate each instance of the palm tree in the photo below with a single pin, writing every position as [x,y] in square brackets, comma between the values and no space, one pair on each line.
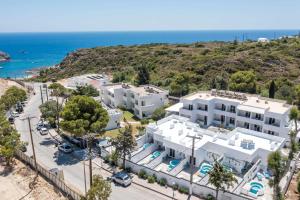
[277,164]
[124,143]
[221,178]
[294,115]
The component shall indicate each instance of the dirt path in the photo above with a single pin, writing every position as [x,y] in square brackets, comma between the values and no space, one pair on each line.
[15,185]
[292,193]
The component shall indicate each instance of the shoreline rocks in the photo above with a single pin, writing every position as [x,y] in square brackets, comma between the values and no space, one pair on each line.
[4,56]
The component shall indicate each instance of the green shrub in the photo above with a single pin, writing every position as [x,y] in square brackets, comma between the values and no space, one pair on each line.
[151,179]
[210,197]
[145,121]
[128,169]
[142,174]
[175,187]
[183,190]
[298,186]
[162,182]
[106,159]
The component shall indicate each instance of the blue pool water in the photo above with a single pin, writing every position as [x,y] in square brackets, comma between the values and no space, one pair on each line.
[205,168]
[255,187]
[146,145]
[155,154]
[173,164]
[33,50]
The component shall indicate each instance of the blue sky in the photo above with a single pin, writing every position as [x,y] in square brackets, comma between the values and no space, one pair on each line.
[115,15]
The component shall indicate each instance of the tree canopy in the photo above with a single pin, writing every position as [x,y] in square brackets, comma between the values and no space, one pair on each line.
[143,75]
[58,89]
[50,111]
[12,96]
[9,139]
[159,113]
[86,90]
[124,143]
[100,190]
[82,115]
[220,177]
[243,81]
[180,85]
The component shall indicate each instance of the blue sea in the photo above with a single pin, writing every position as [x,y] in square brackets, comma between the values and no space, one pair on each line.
[34,50]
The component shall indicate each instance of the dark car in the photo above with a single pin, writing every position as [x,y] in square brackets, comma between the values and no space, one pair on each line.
[11,119]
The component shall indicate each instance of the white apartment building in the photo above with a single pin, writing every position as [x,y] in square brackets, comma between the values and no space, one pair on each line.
[96,80]
[114,118]
[142,100]
[230,109]
[238,149]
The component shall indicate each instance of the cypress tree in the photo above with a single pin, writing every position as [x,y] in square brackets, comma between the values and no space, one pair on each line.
[272,89]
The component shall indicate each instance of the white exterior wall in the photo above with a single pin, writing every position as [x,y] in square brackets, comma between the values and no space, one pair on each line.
[142,105]
[114,120]
[214,113]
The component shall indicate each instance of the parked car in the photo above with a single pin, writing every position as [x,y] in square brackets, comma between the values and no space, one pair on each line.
[15,114]
[43,131]
[65,147]
[40,125]
[103,142]
[122,178]
[11,119]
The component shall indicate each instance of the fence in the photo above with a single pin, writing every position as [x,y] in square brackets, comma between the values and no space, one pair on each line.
[60,184]
[198,189]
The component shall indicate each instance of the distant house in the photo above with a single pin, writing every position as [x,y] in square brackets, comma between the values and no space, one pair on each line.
[142,100]
[263,40]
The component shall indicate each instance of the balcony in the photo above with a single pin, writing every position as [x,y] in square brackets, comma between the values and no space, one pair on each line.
[276,124]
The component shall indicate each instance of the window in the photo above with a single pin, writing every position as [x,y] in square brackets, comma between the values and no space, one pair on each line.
[258,116]
[223,107]
[246,125]
[190,107]
[205,120]
[143,103]
[247,114]
[172,153]
[271,120]
[271,132]
[222,118]
[232,109]
[205,107]
[231,120]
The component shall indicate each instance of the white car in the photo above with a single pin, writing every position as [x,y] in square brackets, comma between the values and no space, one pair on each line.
[121,178]
[102,143]
[66,148]
[43,131]
[15,114]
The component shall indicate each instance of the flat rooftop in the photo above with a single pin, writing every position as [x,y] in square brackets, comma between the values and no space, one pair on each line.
[175,129]
[254,101]
[91,79]
[142,90]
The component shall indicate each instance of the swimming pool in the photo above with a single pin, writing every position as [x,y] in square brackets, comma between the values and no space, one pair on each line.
[146,145]
[205,168]
[155,154]
[256,188]
[173,164]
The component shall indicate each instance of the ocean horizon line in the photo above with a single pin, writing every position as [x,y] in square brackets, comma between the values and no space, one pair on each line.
[158,30]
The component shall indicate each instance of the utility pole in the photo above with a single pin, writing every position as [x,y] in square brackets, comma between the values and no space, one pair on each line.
[84,175]
[41,94]
[47,93]
[194,137]
[58,110]
[90,160]
[32,145]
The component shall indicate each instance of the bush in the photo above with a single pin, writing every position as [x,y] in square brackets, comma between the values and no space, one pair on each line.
[210,197]
[151,179]
[158,114]
[175,187]
[142,174]
[144,121]
[106,159]
[162,182]
[183,190]
[298,186]
[128,169]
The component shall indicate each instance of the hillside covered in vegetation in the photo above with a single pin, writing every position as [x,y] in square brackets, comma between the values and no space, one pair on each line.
[184,68]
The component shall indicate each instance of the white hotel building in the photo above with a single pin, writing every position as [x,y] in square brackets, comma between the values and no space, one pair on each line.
[230,110]
[142,100]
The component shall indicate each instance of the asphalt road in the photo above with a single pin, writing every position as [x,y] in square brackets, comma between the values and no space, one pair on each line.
[48,156]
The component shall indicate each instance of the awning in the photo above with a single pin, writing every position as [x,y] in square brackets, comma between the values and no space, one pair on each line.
[251,109]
